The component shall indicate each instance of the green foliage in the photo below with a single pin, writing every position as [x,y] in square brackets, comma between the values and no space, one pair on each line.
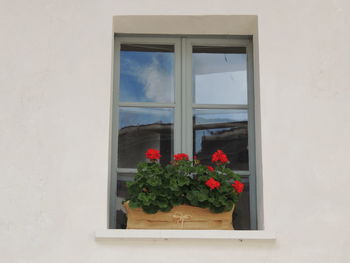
[156,188]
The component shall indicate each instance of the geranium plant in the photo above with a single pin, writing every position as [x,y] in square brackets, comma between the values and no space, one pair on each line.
[157,188]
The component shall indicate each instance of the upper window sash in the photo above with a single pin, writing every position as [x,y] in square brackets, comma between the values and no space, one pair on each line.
[176,42]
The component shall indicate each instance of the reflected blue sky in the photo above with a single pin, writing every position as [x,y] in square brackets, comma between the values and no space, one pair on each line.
[220,78]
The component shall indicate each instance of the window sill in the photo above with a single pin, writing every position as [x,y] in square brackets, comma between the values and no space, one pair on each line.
[184,234]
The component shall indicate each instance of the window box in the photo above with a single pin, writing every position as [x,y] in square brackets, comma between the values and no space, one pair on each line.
[180,217]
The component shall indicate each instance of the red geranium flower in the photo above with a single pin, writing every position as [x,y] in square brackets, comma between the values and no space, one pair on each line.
[219,157]
[238,186]
[211,169]
[212,183]
[153,154]
[181,156]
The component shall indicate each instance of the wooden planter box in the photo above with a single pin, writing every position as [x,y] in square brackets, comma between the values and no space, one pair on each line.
[180,217]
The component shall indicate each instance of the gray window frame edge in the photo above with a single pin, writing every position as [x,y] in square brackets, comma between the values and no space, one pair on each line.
[186,42]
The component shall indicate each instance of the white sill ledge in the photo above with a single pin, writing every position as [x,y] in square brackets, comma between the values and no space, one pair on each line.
[184,234]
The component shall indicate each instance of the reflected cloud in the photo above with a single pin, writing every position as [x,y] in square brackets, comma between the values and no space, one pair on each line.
[157,82]
[147,77]
[221,88]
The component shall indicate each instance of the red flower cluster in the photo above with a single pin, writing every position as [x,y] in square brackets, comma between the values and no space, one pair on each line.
[219,157]
[212,183]
[238,186]
[153,154]
[211,169]
[181,156]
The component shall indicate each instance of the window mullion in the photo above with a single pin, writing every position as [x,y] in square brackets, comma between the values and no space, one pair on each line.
[187,140]
[178,92]
[220,106]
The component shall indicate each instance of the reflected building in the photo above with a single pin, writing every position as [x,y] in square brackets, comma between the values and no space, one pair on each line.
[230,137]
[134,141]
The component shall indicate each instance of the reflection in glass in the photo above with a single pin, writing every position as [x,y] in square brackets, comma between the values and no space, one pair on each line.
[241,214]
[122,194]
[221,129]
[146,73]
[141,129]
[219,75]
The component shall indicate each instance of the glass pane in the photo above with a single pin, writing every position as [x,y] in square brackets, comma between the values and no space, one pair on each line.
[141,129]
[122,194]
[241,214]
[219,75]
[226,130]
[146,73]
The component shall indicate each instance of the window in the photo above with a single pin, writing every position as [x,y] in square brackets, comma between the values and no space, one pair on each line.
[183,94]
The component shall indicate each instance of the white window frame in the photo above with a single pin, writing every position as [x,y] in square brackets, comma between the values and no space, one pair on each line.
[183,126]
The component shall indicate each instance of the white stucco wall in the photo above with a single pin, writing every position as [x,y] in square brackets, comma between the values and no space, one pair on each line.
[55,79]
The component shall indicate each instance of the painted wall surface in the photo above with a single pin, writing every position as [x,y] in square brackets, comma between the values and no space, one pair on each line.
[55,87]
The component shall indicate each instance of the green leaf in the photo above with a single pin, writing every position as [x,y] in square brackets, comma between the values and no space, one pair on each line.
[162,204]
[133,204]
[151,209]
[154,181]
[166,209]
[202,197]
[183,180]
[217,209]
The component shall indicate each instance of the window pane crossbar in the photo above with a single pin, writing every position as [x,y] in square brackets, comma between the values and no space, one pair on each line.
[146,105]
[134,170]
[219,106]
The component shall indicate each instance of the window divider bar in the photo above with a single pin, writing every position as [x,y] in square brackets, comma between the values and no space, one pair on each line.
[146,105]
[186,99]
[125,177]
[178,99]
[220,106]
[126,170]
[242,173]
[134,170]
